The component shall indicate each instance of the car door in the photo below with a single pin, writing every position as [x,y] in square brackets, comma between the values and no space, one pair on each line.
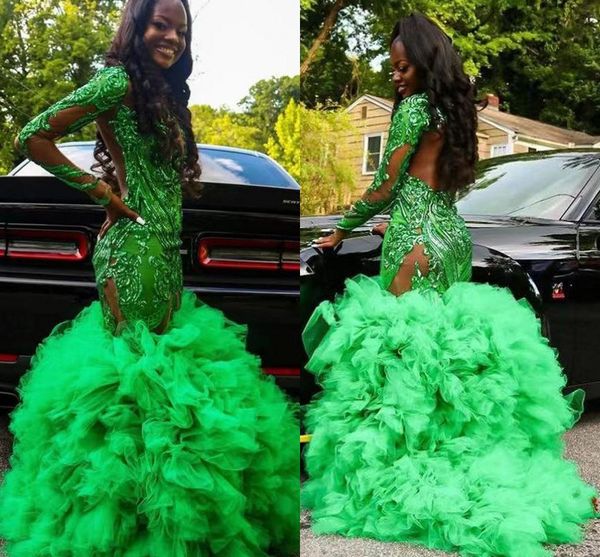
[586,293]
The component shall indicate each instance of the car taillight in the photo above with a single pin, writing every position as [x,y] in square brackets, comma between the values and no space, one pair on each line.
[249,253]
[62,245]
[290,259]
[8,358]
[282,371]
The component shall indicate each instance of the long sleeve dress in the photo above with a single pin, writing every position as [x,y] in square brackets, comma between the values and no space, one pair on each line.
[440,419]
[130,443]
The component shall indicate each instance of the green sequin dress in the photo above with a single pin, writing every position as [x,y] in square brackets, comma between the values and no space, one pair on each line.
[441,416]
[131,443]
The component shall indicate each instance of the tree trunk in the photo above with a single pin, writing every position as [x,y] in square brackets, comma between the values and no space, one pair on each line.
[323,35]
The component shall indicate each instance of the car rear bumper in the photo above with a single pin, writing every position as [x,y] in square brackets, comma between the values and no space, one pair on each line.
[32,307]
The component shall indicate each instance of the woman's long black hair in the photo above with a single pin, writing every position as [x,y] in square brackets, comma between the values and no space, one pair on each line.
[441,76]
[161,96]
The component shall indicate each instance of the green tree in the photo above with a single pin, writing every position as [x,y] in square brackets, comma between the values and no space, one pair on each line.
[326,178]
[555,78]
[223,127]
[306,4]
[285,146]
[266,100]
[48,48]
[541,57]
[331,69]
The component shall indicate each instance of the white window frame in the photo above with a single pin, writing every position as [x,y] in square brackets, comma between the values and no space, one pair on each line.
[507,147]
[366,152]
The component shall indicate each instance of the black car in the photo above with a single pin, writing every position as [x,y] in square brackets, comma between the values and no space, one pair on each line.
[239,251]
[535,223]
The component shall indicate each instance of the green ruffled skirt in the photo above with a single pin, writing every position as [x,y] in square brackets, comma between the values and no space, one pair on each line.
[440,423]
[147,445]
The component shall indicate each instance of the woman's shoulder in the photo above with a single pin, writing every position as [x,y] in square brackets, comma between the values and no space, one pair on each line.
[112,82]
[115,76]
[416,102]
[414,108]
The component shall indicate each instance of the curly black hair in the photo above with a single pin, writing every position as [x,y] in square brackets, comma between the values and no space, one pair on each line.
[441,76]
[160,96]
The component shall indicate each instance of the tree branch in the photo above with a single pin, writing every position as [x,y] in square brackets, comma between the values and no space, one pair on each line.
[323,35]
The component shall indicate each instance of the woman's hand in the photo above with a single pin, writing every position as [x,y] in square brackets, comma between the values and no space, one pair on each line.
[329,242]
[115,210]
[379,229]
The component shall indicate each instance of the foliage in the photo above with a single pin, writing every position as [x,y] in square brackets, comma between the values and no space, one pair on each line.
[330,75]
[223,127]
[327,180]
[306,4]
[556,78]
[266,100]
[285,146]
[48,48]
[541,57]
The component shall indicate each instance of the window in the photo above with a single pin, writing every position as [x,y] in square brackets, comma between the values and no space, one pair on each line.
[543,186]
[531,150]
[219,166]
[499,150]
[373,152]
[363,112]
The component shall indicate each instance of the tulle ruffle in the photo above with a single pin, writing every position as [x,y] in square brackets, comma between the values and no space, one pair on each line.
[147,445]
[440,423]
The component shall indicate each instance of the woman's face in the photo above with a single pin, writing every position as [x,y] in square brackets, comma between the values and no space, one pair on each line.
[165,33]
[404,74]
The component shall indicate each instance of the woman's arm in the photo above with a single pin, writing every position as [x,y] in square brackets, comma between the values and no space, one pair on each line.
[408,124]
[371,203]
[36,140]
[410,121]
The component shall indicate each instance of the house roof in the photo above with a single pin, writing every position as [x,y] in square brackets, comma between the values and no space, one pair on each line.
[532,128]
[509,122]
[386,104]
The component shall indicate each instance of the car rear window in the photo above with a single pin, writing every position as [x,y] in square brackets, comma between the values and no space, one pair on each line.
[218,166]
[539,186]
[233,167]
[82,156]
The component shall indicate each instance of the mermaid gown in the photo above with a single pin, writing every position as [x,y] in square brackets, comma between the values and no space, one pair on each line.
[440,419]
[130,443]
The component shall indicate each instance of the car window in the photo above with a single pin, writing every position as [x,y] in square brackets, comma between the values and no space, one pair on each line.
[218,166]
[542,187]
[81,155]
[233,167]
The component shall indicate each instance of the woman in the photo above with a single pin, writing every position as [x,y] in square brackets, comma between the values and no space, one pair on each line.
[441,415]
[145,428]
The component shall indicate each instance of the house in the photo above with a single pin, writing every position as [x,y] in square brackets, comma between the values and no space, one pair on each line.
[499,133]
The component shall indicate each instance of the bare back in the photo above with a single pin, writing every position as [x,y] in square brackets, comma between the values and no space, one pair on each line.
[423,164]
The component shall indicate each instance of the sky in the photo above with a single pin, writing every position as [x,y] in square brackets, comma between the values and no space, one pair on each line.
[236,43]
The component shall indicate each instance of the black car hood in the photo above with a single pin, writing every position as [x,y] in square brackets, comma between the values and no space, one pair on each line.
[523,239]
